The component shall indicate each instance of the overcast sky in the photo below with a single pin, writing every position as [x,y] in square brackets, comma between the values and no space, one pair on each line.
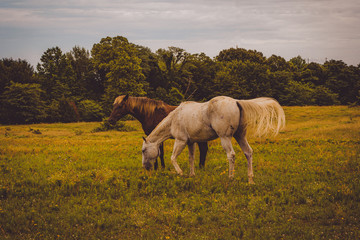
[314,29]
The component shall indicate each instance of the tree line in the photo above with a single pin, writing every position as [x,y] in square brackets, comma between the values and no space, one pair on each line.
[81,85]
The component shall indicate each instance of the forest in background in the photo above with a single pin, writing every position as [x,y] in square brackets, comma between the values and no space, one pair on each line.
[81,85]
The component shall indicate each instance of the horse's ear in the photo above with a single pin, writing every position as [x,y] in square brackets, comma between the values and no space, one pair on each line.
[126,97]
[144,139]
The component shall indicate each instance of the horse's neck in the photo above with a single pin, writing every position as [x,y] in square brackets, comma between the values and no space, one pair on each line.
[137,112]
[149,122]
[162,132]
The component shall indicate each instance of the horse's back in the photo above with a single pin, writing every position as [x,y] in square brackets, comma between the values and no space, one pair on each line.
[206,121]
[189,122]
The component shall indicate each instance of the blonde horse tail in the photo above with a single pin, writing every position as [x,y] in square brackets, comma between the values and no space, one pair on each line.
[261,116]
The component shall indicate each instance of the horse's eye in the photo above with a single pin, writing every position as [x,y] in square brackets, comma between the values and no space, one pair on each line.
[119,105]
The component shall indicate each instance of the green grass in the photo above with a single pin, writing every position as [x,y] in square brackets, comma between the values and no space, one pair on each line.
[62,181]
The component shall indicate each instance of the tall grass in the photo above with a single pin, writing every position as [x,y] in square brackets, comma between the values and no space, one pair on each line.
[71,183]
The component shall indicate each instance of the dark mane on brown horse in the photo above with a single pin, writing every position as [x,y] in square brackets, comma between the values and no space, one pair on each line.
[144,105]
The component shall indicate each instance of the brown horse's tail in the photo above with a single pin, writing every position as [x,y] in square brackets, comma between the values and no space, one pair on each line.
[262,116]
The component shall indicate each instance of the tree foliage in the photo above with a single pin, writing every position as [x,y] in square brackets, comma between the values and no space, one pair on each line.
[22,103]
[86,84]
[117,60]
[77,85]
[55,74]
[18,71]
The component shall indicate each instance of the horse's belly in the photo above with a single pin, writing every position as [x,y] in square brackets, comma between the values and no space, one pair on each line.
[202,134]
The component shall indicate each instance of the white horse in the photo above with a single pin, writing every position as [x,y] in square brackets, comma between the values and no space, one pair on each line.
[222,117]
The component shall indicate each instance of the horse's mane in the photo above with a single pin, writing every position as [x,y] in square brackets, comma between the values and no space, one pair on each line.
[144,105]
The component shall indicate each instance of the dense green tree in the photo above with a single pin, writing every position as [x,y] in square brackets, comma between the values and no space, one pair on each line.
[86,84]
[256,75]
[240,54]
[257,79]
[116,59]
[175,65]
[55,74]
[229,81]
[343,80]
[298,94]
[312,73]
[278,82]
[277,63]
[18,71]
[151,70]
[203,75]
[298,63]
[90,110]
[324,97]
[22,103]
[62,87]
[248,74]
[68,111]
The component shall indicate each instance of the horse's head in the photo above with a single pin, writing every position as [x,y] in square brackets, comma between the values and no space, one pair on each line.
[150,151]
[120,109]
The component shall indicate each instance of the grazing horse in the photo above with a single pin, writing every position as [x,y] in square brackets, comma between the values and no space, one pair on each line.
[149,112]
[221,117]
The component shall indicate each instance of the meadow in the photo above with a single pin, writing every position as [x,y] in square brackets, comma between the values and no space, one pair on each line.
[63,181]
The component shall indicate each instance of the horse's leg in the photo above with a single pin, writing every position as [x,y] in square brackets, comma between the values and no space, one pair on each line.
[230,153]
[241,139]
[156,164]
[162,155]
[203,147]
[178,147]
[191,147]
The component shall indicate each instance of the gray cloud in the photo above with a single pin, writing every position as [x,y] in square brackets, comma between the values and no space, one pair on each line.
[315,29]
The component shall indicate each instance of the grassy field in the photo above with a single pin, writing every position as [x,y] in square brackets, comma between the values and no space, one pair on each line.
[61,181]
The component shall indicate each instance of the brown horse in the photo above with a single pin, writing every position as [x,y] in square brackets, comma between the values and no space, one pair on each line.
[150,113]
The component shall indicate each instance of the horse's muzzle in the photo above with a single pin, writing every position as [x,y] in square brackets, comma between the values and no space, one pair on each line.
[147,166]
